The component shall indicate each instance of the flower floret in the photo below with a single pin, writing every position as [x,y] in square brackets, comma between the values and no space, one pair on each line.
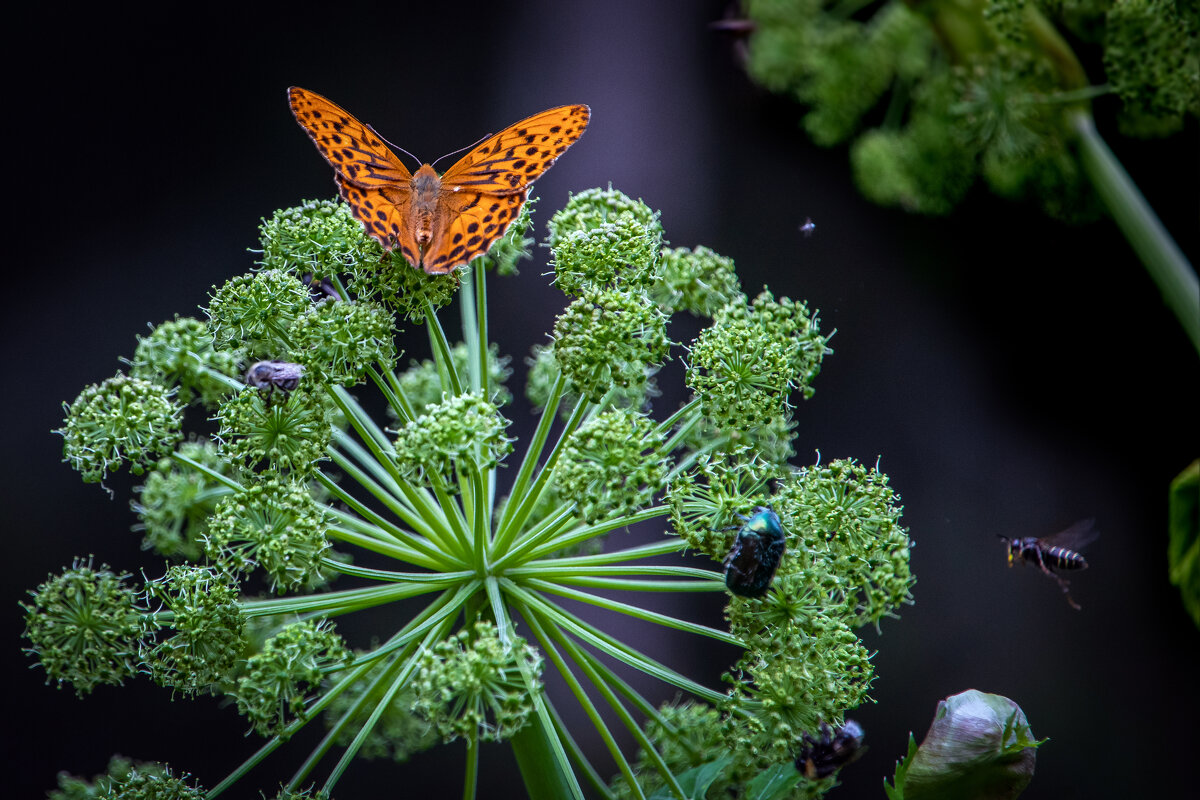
[476,684]
[290,432]
[181,353]
[321,237]
[610,339]
[459,431]
[84,627]
[255,311]
[273,524]
[276,681]
[120,419]
[339,340]
[611,464]
[200,609]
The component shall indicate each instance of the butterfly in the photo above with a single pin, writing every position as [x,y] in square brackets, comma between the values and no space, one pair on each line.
[437,222]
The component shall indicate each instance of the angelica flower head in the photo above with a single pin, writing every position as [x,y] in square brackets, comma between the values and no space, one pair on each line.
[296,506]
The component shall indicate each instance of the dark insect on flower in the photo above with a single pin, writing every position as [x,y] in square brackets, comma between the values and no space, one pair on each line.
[751,562]
[272,376]
[319,288]
[1058,551]
[830,750]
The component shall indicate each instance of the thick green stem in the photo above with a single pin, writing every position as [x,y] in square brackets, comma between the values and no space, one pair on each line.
[545,778]
[1160,255]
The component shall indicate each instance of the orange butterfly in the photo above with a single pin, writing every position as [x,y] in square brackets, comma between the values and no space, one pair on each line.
[437,223]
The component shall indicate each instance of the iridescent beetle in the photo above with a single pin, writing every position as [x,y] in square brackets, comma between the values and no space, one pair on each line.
[831,750]
[751,562]
[1058,551]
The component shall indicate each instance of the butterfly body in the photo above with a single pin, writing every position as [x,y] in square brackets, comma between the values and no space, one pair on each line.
[437,222]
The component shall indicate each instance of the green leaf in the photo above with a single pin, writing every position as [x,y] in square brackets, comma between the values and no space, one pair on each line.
[773,783]
[695,781]
[896,790]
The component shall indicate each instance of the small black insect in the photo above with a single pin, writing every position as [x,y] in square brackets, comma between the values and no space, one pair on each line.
[751,562]
[1059,551]
[272,376]
[830,750]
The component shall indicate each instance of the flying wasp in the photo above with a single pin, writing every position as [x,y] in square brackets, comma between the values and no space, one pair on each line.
[751,562]
[1059,551]
[830,750]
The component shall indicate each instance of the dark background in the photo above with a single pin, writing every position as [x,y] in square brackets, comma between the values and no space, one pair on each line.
[1014,374]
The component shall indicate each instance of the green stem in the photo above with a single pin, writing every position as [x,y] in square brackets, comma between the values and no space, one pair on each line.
[543,768]
[1160,255]
[471,778]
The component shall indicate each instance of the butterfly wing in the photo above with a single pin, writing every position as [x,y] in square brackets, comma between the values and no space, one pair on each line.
[483,192]
[375,183]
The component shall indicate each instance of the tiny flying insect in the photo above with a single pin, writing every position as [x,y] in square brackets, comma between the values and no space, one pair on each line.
[752,560]
[272,376]
[808,227]
[830,750]
[1059,551]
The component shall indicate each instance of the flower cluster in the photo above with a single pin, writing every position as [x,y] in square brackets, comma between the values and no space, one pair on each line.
[303,508]
[983,88]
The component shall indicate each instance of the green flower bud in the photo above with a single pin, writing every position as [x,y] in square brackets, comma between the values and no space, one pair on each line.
[515,245]
[85,626]
[708,500]
[979,746]
[121,419]
[544,371]
[849,516]
[153,783]
[622,254]
[175,502]
[594,208]
[71,787]
[181,353]
[794,679]
[460,431]
[409,292]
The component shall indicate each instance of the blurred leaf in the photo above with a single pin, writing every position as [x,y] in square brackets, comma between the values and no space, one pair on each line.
[773,783]
[695,781]
[1183,550]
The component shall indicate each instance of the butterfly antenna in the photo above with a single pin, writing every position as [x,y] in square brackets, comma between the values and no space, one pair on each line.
[459,150]
[371,128]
